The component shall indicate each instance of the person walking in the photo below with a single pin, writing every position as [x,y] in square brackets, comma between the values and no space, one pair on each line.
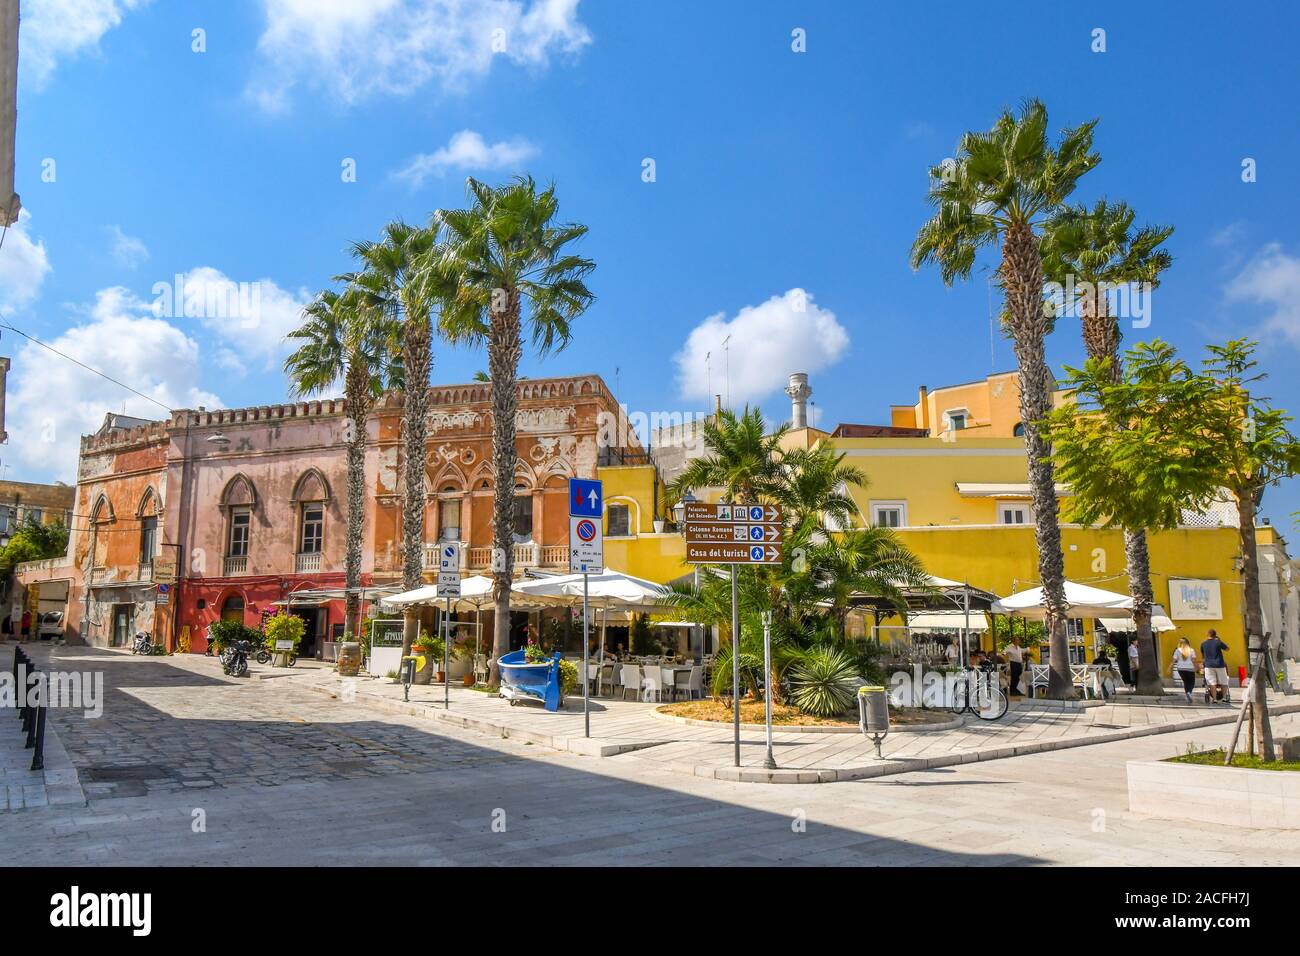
[1133,663]
[1185,665]
[1216,669]
[26,625]
[1016,661]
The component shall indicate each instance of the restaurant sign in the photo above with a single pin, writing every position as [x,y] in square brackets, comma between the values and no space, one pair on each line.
[1195,599]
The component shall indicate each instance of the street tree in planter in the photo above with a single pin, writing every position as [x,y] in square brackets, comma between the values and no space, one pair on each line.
[1255,449]
[284,626]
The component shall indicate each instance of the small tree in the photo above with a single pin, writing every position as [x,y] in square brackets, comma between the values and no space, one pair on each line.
[1255,449]
[34,541]
[1135,453]
[284,626]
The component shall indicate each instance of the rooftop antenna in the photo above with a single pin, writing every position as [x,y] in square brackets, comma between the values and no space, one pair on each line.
[993,361]
[708,369]
[726,351]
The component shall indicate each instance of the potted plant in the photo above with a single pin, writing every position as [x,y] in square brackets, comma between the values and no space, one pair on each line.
[283,632]
[431,649]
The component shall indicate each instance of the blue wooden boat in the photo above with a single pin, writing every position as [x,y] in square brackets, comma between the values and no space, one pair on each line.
[523,681]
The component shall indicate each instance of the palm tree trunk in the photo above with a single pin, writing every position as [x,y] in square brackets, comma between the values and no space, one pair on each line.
[417,357]
[358,399]
[1246,505]
[1101,339]
[1022,282]
[1150,680]
[505,347]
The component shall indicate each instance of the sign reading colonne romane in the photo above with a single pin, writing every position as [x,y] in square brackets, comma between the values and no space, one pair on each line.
[733,534]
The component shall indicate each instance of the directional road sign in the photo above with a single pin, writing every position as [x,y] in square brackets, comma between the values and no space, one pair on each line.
[733,534]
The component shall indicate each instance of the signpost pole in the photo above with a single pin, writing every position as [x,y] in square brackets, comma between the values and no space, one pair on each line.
[770,761]
[586,655]
[446,658]
[735,665]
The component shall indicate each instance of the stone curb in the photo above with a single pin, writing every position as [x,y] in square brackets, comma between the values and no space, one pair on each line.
[889,767]
[813,729]
[585,746]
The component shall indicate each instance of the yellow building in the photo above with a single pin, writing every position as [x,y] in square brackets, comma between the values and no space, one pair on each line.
[959,498]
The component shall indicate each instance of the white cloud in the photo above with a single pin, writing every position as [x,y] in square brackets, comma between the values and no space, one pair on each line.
[52,402]
[357,50]
[1271,280]
[128,251]
[55,30]
[23,266]
[250,318]
[466,150]
[787,333]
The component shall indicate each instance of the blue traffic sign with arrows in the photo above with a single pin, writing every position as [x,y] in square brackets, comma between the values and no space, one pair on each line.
[586,498]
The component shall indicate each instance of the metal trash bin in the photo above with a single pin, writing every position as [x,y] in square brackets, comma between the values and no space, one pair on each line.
[873,714]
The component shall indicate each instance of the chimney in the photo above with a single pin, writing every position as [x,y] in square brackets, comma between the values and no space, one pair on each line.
[799,392]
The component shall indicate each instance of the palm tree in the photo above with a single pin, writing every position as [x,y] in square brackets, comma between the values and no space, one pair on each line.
[742,459]
[1099,249]
[815,486]
[871,561]
[388,282]
[1000,189]
[504,252]
[342,338]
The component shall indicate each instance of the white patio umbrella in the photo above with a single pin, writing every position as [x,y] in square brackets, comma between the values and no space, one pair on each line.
[610,590]
[1082,601]
[475,591]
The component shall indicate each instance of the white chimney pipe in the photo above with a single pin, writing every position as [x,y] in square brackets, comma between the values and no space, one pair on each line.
[799,393]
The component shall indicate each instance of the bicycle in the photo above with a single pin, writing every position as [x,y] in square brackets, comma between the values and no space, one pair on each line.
[987,702]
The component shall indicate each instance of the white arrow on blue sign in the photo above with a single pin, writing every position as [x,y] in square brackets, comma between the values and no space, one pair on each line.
[586,498]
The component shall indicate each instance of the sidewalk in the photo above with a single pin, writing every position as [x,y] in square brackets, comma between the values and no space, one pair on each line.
[58,784]
[631,731]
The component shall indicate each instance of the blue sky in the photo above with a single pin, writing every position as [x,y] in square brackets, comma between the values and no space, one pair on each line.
[773,171]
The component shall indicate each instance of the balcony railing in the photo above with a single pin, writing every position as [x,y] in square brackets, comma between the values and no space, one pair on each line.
[529,554]
[146,571]
[234,564]
[307,563]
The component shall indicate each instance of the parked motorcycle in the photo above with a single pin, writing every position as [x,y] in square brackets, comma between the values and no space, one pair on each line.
[234,660]
[143,644]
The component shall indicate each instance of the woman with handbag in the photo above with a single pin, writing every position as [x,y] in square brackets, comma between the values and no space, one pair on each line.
[1185,666]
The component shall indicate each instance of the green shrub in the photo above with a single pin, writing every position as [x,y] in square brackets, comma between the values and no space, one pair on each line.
[823,683]
[751,673]
[223,633]
[569,680]
[284,627]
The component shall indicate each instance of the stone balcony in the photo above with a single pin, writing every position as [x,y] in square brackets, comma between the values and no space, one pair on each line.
[528,554]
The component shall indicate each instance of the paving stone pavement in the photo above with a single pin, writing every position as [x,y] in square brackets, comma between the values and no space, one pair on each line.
[632,731]
[287,776]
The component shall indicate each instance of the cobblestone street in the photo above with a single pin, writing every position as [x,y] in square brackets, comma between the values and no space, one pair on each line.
[170,727]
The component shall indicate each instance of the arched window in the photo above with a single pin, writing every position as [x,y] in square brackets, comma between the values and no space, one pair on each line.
[232,608]
[449,514]
[523,523]
[1019,430]
[148,512]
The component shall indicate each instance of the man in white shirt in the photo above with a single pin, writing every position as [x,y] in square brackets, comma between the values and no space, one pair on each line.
[1133,663]
[1016,661]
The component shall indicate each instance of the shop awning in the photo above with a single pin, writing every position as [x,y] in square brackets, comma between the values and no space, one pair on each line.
[985,489]
[947,620]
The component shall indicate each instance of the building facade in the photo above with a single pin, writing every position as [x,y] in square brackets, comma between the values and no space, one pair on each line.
[231,513]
